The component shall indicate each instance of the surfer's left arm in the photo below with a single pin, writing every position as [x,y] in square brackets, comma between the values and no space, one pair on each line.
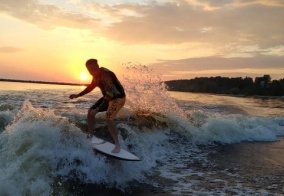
[87,90]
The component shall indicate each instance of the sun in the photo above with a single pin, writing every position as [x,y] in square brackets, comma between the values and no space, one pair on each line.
[83,76]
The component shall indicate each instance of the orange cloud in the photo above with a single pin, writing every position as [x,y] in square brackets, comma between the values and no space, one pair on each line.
[8,49]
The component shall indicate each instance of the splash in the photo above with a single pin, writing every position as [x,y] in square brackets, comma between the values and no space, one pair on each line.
[147,96]
[40,147]
[35,147]
[145,90]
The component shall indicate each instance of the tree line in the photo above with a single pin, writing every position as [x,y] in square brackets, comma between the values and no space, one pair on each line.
[262,86]
[40,82]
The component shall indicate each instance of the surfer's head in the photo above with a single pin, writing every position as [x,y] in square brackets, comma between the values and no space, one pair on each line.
[92,66]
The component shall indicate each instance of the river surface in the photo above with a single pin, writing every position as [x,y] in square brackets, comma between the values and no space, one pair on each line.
[190,144]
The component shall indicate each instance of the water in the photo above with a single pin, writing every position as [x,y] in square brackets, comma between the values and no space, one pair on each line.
[190,144]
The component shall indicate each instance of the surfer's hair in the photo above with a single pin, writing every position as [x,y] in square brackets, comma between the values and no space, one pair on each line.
[92,62]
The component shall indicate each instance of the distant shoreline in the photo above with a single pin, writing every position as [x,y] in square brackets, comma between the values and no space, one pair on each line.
[41,82]
[260,86]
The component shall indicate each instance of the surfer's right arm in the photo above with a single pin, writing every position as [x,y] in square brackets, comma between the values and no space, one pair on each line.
[88,89]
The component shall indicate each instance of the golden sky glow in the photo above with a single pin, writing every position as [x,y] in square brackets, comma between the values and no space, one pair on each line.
[50,40]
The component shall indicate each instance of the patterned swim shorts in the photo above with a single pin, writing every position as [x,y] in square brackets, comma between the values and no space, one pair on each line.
[113,107]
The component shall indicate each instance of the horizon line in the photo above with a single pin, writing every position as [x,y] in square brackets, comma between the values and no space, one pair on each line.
[41,82]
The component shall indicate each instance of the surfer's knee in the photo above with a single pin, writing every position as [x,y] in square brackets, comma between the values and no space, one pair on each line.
[91,113]
[109,122]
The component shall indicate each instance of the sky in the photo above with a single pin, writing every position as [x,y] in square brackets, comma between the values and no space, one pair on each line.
[50,40]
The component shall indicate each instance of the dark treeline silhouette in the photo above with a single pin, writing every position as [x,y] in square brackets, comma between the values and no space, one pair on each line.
[40,82]
[262,86]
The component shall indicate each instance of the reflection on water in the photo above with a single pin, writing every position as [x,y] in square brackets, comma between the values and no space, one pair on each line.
[257,106]
[18,86]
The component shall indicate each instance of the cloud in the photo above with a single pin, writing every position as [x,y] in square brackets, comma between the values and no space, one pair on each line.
[219,63]
[219,4]
[219,23]
[183,22]
[213,66]
[8,49]
[74,1]
[44,15]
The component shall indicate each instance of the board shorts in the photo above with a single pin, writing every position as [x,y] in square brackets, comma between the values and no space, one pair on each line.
[112,108]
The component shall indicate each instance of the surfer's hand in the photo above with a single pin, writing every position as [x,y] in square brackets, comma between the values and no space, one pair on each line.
[73,96]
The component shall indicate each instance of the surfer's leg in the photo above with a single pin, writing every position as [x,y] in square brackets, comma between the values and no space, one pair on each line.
[91,121]
[114,133]
[91,116]
[113,108]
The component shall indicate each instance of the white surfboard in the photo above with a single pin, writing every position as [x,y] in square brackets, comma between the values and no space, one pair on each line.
[105,148]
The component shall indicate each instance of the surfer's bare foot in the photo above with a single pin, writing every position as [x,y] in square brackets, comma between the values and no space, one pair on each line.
[116,149]
[89,135]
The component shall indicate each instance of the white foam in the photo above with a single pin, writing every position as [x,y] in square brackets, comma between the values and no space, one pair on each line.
[39,146]
[237,128]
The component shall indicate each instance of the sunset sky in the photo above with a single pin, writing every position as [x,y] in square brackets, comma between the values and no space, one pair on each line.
[50,40]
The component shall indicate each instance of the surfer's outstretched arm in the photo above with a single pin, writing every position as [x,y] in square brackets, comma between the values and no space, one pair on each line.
[88,89]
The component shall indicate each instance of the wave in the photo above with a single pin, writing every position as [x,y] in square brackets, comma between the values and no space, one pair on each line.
[239,128]
[39,147]
[41,151]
